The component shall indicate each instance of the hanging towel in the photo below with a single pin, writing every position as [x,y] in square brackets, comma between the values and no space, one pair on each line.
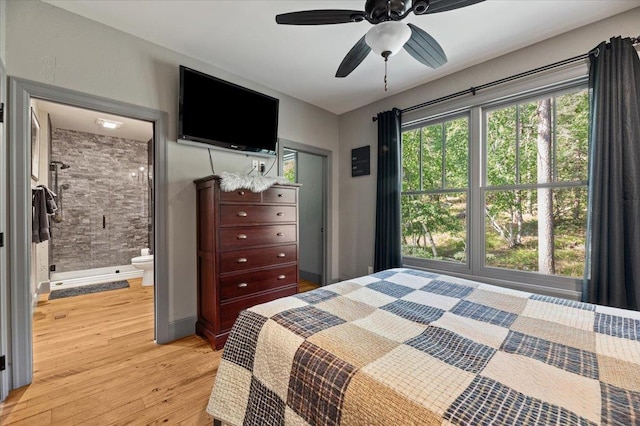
[50,198]
[40,218]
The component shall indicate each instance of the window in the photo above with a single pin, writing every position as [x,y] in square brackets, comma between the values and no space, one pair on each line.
[290,165]
[504,196]
[435,190]
[536,190]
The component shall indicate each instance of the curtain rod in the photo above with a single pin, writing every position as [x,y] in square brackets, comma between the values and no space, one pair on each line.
[473,90]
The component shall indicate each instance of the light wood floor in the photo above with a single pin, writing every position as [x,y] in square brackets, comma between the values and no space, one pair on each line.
[305,285]
[95,363]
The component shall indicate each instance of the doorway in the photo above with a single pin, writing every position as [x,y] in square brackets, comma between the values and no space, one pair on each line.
[97,166]
[20,362]
[308,166]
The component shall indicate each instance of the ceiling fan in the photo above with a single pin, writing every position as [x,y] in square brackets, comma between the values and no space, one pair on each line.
[388,35]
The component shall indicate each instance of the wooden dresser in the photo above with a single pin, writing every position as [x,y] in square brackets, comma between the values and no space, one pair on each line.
[247,252]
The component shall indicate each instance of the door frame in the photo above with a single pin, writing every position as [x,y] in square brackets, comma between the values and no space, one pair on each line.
[21,91]
[327,195]
[4,306]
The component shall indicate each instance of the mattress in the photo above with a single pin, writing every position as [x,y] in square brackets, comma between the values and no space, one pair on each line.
[404,346]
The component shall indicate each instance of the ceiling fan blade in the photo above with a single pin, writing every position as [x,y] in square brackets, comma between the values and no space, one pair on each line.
[424,48]
[320,17]
[436,6]
[355,56]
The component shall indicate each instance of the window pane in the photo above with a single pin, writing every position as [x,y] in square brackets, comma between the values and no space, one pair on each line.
[432,141]
[434,226]
[535,132]
[457,153]
[411,160]
[501,147]
[537,230]
[572,128]
[289,165]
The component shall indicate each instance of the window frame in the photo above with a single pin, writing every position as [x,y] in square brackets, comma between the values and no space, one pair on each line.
[459,267]
[552,84]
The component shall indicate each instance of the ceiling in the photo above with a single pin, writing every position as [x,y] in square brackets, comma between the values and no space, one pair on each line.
[242,37]
[84,120]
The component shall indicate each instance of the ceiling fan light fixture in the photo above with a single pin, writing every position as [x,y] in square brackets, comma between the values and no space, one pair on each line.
[387,38]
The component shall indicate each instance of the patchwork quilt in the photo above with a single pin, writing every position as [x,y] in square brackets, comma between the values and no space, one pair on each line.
[407,347]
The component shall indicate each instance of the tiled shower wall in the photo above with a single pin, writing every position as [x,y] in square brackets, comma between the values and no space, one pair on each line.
[101,183]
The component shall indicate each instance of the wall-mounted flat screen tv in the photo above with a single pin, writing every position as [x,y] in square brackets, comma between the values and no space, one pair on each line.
[216,113]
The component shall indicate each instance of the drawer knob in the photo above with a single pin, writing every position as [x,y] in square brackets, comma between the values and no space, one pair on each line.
[281,255]
[242,214]
[242,285]
[280,195]
[280,234]
[240,192]
[280,214]
[242,236]
[281,277]
[242,260]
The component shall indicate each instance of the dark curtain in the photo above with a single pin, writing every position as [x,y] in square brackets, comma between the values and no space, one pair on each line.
[388,252]
[613,236]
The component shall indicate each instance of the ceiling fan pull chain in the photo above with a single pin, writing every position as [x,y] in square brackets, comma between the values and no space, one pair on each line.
[385,73]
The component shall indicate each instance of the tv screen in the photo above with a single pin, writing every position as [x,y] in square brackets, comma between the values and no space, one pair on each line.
[218,113]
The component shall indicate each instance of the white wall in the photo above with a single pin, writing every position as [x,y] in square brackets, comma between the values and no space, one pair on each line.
[356,128]
[50,45]
[40,251]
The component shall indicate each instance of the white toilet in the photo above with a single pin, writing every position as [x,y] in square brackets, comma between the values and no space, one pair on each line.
[144,262]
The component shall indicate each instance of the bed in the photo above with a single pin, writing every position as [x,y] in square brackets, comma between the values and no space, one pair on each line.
[408,347]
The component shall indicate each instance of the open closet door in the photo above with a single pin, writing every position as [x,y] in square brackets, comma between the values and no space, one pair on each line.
[4,305]
[309,166]
[311,170]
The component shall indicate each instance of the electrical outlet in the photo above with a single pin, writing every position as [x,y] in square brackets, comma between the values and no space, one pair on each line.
[254,164]
[262,167]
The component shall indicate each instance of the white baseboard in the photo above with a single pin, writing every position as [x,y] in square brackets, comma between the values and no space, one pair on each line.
[43,288]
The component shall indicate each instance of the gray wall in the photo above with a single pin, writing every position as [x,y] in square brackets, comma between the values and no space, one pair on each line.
[357,195]
[4,317]
[3,30]
[100,184]
[49,45]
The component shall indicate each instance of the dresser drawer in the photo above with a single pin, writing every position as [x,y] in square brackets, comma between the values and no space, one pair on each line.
[239,237]
[249,283]
[234,214]
[240,196]
[276,194]
[241,260]
[229,311]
